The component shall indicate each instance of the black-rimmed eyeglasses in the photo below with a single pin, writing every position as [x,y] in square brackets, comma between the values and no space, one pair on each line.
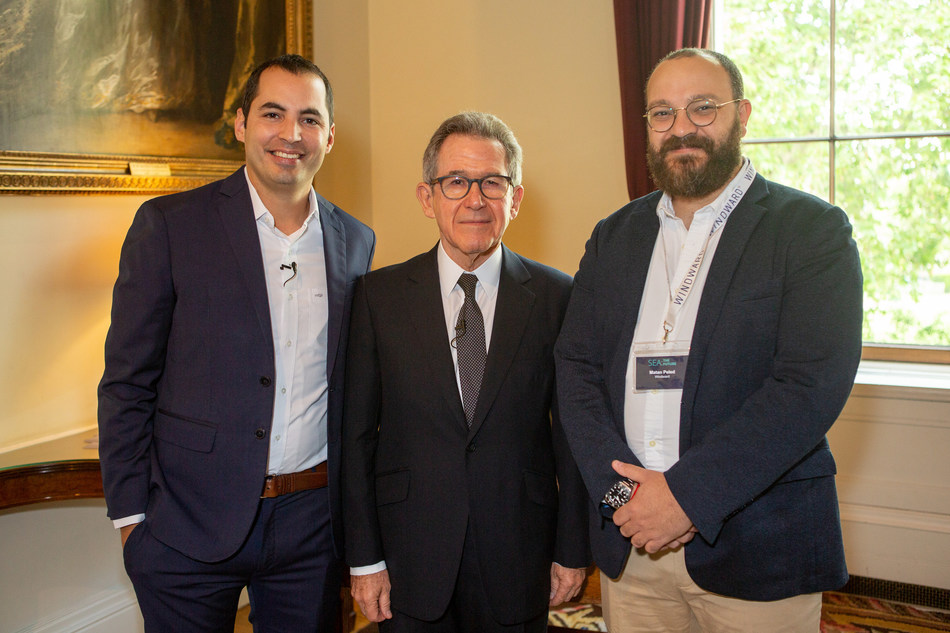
[701,112]
[457,187]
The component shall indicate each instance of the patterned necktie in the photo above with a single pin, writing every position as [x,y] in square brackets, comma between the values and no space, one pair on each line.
[470,346]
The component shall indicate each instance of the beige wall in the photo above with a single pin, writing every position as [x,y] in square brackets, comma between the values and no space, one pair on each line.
[59,257]
[547,67]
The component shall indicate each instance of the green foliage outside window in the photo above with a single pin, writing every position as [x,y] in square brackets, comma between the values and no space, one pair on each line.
[866,125]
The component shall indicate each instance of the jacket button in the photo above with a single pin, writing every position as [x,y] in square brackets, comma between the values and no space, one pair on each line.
[265,381]
[260,433]
[471,447]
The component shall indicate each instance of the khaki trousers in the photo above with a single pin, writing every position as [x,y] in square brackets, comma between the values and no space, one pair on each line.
[655,594]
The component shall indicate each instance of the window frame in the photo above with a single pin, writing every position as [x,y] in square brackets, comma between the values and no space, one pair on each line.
[927,354]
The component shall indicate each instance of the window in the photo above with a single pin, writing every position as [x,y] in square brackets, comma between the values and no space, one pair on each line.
[851,102]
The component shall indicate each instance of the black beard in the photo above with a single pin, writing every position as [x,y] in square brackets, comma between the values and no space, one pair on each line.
[687,177]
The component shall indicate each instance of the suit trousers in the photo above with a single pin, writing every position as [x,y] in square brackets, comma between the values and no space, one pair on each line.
[655,593]
[468,611]
[287,563]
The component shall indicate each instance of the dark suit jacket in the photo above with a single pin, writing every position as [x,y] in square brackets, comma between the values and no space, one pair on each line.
[772,360]
[415,476]
[186,399]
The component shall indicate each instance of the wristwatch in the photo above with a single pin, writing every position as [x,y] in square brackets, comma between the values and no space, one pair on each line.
[619,494]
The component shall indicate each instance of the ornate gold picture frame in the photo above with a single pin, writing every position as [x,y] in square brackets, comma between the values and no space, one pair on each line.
[132,96]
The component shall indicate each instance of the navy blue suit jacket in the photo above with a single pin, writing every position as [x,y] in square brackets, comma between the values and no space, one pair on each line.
[772,360]
[416,477]
[186,399]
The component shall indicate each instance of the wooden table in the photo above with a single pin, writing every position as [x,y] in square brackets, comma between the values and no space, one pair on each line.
[56,470]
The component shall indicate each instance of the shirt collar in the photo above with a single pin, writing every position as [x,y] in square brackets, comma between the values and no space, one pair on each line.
[261,214]
[489,273]
[665,206]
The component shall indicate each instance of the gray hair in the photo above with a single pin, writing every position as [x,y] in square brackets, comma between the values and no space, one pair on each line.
[480,125]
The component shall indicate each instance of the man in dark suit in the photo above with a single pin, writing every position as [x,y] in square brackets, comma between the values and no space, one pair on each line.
[711,341]
[220,406]
[463,508]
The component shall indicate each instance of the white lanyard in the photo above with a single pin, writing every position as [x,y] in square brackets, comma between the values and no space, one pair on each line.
[678,297]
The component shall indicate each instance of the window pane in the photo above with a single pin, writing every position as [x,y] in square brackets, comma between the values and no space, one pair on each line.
[781,47]
[891,65]
[896,192]
[804,166]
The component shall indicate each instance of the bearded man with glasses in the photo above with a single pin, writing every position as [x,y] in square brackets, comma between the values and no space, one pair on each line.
[712,339]
[463,509]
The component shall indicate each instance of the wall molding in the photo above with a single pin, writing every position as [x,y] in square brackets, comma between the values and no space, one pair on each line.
[888,495]
[890,444]
[105,612]
[891,409]
[894,518]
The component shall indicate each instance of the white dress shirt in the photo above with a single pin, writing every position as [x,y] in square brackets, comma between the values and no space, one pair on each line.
[297,295]
[652,418]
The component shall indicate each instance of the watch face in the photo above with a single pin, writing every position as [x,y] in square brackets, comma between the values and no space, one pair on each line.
[618,495]
[624,493]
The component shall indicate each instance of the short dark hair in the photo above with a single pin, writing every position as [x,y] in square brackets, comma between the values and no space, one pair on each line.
[293,64]
[735,77]
[479,125]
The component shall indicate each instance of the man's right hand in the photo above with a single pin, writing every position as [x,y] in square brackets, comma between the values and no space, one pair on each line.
[125,531]
[371,593]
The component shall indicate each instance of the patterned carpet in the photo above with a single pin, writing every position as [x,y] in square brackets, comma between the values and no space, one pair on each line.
[840,613]
[846,613]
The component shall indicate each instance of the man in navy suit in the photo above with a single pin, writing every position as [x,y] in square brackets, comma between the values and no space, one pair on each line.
[711,341]
[463,508]
[220,406]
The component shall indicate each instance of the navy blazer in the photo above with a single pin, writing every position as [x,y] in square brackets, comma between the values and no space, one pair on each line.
[416,476]
[772,360]
[186,399]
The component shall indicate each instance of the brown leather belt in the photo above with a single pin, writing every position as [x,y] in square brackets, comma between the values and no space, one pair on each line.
[277,485]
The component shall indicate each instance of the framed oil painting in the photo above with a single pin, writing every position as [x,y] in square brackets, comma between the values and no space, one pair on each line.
[131,96]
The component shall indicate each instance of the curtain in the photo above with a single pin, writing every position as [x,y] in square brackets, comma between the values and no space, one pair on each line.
[646,31]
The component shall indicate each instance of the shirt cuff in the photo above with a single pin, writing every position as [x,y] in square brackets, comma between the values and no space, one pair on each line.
[121,523]
[365,570]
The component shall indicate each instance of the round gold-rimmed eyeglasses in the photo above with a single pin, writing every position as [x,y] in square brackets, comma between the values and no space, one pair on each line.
[701,112]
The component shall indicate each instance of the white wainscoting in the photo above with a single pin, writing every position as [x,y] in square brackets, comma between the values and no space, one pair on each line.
[108,612]
[62,571]
[892,446]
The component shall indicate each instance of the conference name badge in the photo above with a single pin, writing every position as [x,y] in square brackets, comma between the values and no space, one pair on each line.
[660,366]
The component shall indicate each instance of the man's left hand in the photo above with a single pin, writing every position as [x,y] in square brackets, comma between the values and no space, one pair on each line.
[565,583]
[652,519]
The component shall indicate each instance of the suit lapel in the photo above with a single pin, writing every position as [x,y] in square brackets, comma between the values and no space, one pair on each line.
[630,271]
[431,343]
[512,311]
[334,252]
[732,244]
[233,205]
